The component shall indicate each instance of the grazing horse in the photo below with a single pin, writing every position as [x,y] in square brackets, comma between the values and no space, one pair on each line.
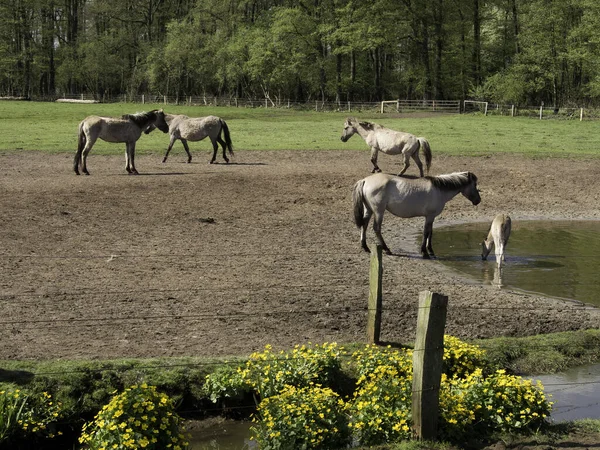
[408,197]
[389,141]
[194,129]
[498,235]
[127,129]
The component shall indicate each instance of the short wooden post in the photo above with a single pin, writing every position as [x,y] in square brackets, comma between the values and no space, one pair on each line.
[375,297]
[512,110]
[165,99]
[541,110]
[143,99]
[428,356]
[581,115]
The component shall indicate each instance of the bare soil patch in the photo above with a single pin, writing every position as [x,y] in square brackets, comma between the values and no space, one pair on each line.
[198,259]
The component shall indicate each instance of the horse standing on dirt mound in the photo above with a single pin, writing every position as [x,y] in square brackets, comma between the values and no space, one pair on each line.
[127,129]
[497,237]
[194,129]
[388,141]
[408,197]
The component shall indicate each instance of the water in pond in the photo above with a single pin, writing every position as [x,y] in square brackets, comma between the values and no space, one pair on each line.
[555,258]
[224,435]
[575,393]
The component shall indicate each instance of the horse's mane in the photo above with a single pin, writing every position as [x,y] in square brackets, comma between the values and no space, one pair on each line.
[368,125]
[141,118]
[452,181]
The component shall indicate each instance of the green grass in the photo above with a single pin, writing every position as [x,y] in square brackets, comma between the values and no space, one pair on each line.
[52,127]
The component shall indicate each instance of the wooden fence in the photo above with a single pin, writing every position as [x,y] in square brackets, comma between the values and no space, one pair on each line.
[428,352]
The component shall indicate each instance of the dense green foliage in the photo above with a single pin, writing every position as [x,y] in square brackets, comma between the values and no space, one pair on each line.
[516,51]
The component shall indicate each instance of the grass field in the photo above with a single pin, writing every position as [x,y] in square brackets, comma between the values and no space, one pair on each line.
[52,127]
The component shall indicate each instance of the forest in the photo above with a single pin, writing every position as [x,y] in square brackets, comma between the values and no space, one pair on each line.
[503,51]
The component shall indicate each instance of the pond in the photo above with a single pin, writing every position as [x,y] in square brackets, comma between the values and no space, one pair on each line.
[554,258]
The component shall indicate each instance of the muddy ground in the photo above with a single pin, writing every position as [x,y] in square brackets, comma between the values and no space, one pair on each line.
[198,259]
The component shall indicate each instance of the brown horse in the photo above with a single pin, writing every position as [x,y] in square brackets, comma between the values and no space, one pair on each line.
[195,129]
[388,141]
[127,129]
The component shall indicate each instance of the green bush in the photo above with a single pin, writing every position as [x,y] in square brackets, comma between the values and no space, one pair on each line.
[309,417]
[478,406]
[139,417]
[23,415]
[268,373]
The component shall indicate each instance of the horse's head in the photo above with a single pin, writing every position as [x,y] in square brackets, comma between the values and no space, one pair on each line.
[349,129]
[470,190]
[160,122]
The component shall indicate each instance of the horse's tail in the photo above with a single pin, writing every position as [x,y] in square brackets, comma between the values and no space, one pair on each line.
[227,136]
[358,200]
[426,151]
[81,141]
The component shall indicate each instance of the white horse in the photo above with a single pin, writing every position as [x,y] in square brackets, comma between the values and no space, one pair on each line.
[388,141]
[497,237]
[408,197]
[194,129]
[127,129]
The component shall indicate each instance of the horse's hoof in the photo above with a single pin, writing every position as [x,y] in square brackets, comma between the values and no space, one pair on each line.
[212,162]
[86,172]
[164,160]
[426,256]
[366,248]
[388,251]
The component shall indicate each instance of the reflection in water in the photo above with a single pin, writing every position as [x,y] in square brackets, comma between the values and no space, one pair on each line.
[556,258]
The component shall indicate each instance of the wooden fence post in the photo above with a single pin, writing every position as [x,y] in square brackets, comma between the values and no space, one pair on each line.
[581,115]
[428,356]
[375,298]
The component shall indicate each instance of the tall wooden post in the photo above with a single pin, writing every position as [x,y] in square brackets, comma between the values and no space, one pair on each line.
[428,358]
[375,298]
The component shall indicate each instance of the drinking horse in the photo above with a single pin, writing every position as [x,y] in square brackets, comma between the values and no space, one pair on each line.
[127,129]
[388,141]
[194,129]
[408,197]
[497,237]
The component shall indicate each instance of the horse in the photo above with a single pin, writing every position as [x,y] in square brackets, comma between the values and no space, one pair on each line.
[408,197]
[498,235]
[388,141]
[194,129]
[127,129]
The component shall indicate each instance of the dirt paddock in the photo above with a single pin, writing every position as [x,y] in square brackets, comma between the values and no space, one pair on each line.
[198,259]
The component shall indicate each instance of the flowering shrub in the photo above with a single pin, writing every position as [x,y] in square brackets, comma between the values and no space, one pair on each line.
[140,417]
[497,403]
[460,358]
[380,410]
[367,360]
[267,373]
[224,382]
[310,417]
[24,414]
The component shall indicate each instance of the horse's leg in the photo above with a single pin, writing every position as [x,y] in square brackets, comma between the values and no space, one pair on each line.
[374,153]
[84,154]
[171,142]
[377,220]
[363,230]
[215,150]
[415,156]
[224,146]
[187,150]
[132,158]
[426,249]
[406,164]
[127,158]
